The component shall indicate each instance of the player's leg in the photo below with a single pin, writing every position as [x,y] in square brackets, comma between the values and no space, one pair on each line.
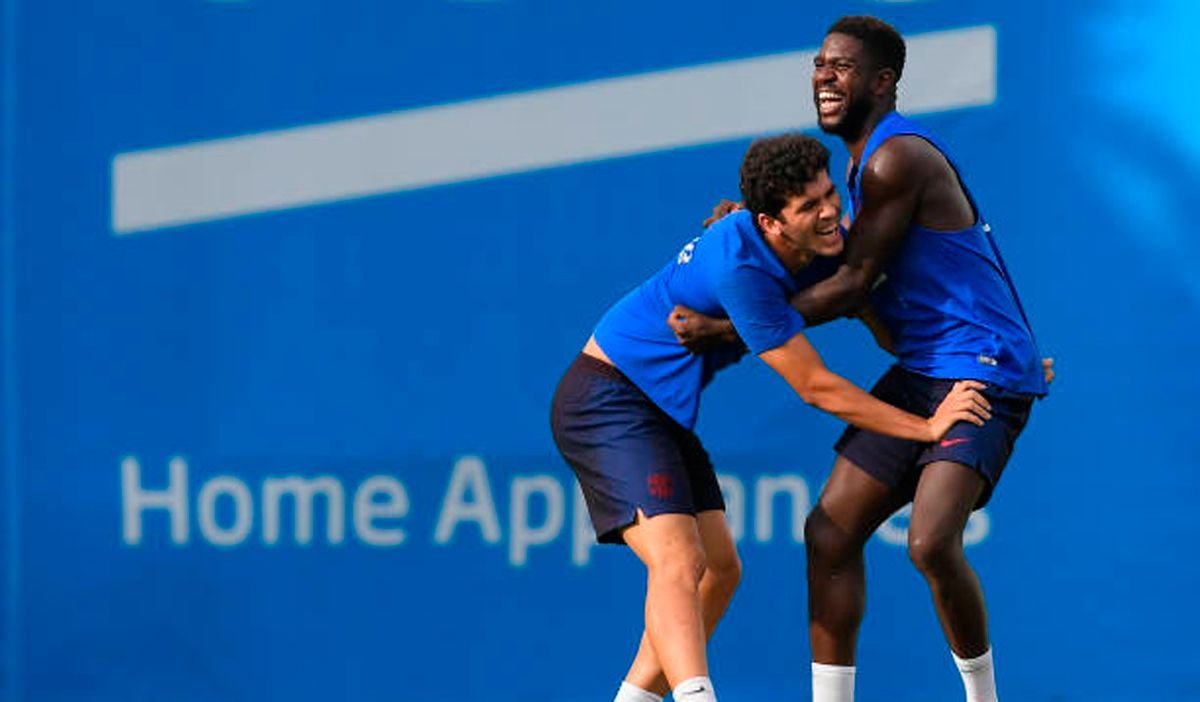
[959,475]
[946,495]
[670,547]
[874,475]
[852,505]
[722,573]
[626,454]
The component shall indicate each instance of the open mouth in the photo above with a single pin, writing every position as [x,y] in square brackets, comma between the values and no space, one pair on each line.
[829,102]
[830,233]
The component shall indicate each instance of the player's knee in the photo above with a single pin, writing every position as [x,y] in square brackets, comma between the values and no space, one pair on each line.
[683,566]
[726,570]
[824,541]
[934,555]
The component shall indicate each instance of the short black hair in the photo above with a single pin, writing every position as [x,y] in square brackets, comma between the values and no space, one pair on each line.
[778,168]
[880,39]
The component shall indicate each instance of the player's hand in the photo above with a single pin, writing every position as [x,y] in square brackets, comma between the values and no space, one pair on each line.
[699,332]
[1048,369]
[963,403]
[723,208]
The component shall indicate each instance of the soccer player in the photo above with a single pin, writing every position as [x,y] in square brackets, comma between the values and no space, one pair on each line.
[921,253]
[623,413]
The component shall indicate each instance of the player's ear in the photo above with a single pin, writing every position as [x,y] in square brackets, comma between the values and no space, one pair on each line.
[885,80]
[767,224]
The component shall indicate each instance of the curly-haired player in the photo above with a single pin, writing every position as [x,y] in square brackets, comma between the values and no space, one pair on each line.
[623,414]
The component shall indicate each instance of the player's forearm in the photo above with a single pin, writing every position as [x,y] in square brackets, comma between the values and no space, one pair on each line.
[724,331]
[699,332]
[841,295]
[840,397]
[800,365]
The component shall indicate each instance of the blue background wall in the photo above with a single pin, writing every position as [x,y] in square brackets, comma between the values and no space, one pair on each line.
[419,335]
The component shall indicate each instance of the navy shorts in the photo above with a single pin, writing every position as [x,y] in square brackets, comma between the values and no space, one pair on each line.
[898,462]
[626,452]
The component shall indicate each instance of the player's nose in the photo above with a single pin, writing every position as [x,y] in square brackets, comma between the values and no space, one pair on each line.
[831,208]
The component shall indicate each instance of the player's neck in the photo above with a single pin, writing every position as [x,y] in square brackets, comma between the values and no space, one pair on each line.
[792,257]
[858,143]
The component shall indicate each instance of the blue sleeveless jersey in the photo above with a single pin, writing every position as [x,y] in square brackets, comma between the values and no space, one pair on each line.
[729,272]
[947,298]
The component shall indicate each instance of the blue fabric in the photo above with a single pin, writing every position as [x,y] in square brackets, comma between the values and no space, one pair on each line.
[947,298]
[729,272]
[626,452]
[899,462]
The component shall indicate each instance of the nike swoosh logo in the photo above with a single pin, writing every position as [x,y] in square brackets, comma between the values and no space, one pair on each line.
[696,691]
[947,443]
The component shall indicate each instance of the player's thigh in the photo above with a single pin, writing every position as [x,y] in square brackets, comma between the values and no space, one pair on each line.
[890,460]
[985,449]
[625,451]
[854,502]
[666,540]
[720,551]
[946,495]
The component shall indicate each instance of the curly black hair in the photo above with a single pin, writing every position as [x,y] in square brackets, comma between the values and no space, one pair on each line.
[880,39]
[778,168]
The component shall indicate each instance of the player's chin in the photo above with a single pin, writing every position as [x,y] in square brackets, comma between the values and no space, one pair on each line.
[830,244]
[830,123]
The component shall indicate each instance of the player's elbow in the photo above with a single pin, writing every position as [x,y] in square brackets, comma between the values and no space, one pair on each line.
[855,292]
[816,389]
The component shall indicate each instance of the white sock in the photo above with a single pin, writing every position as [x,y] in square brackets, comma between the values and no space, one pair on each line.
[698,689]
[833,683]
[979,677]
[632,693]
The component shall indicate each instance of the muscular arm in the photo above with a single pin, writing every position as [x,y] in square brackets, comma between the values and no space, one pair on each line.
[800,365]
[892,183]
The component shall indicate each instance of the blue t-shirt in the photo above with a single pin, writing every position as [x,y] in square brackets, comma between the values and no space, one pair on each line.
[947,298]
[728,272]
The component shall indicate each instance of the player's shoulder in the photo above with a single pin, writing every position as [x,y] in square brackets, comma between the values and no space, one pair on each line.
[743,254]
[728,235]
[731,223]
[903,159]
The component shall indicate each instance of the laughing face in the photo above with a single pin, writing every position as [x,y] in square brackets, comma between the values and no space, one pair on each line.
[807,225]
[842,79]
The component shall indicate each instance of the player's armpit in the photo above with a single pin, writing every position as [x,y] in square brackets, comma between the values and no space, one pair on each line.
[882,336]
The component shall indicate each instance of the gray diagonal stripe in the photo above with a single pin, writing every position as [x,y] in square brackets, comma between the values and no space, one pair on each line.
[609,118]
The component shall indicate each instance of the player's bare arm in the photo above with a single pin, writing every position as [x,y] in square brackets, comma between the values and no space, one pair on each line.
[721,209]
[801,366]
[892,186]
[699,332]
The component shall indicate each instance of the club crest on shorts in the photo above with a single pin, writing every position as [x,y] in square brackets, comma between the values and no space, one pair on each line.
[661,485]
